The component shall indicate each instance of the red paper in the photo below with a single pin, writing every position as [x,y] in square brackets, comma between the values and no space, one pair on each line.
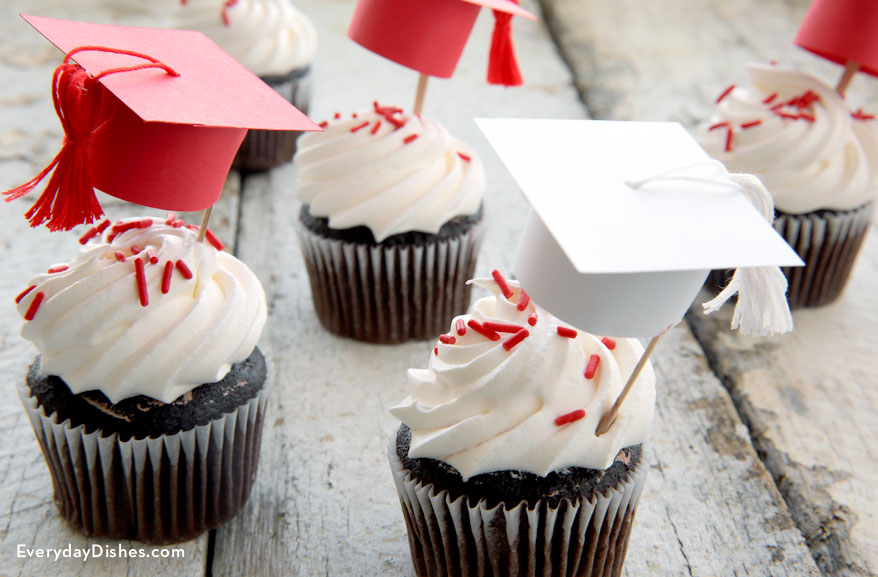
[842,31]
[425,35]
[168,142]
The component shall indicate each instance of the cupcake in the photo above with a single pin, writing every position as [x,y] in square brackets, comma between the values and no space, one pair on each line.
[275,41]
[148,394]
[390,225]
[818,159]
[497,465]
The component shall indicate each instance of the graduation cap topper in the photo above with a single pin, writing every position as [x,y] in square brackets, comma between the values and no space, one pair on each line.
[150,116]
[429,36]
[844,32]
[627,220]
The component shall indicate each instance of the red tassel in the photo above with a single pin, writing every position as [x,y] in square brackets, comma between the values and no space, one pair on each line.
[502,64]
[69,198]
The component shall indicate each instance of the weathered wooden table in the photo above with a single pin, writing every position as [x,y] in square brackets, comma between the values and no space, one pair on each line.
[763,451]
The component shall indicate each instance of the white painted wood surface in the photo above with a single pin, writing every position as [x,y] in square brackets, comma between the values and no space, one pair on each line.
[809,398]
[324,502]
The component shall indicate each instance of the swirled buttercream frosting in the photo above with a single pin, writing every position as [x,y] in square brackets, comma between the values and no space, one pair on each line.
[388,171]
[510,387]
[144,309]
[270,37]
[799,137]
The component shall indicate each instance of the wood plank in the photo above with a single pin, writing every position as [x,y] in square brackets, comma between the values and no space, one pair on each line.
[806,397]
[324,502]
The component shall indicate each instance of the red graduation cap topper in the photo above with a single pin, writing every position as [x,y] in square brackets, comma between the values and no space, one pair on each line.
[150,116]
[842,31]
[429,35]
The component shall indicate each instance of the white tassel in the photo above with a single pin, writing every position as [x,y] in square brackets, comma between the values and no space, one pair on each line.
[762,307]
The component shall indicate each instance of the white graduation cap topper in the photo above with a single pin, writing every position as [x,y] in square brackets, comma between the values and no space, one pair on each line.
[627,220]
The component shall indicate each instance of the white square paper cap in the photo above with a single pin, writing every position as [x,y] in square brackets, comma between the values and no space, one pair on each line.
[611,258]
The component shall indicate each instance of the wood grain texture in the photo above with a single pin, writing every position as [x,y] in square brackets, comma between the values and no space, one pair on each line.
[807,397]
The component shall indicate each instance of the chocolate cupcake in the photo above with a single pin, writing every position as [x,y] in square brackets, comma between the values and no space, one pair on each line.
[391,224]
[498,469]
[818,159]
[275,41]
[148,396]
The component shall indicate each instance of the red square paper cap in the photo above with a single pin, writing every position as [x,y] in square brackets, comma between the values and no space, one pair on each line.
[424,35]
[842,31]
[168,141]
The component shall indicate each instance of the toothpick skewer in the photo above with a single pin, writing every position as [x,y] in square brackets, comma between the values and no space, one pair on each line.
[421,93]
[610,416]
[849,70]
[204,219]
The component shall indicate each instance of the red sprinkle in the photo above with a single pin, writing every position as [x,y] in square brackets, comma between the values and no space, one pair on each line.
[323,124]
[141,282]
[567,332]
[212,239]
[570,417]
[502,327]
[143,223]
[184,270]
[532,319]
[153,259]
[770,98]
[337,115]
[89,234]
[225,14]
[725,93]
[807,116]
[609,343]
[447,339]
[466,157]
[751,124]
[103,226]
[860,115]
[729,140]
[410,138]
[787,115]
[120,256]
[360,126]
[178,223]
[121,227]
[718,125]
[592,366]
[354,115]
[523,300]
[376,127]
[515,339]
[461,327]
[60,268]
[501,282]
[436,351]
[23,293]
[476,326]
[172,216]
[166,277]
[34,305]
[135,249]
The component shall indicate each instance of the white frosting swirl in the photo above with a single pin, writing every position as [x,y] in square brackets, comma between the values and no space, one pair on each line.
[396,179]
[93,332]
[480,407]
[825,159]
[269,37]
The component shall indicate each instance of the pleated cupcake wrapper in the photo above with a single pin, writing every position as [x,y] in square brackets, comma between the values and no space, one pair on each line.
[828,242]
[453,538]
[264,149]
[390,294]
[163,490]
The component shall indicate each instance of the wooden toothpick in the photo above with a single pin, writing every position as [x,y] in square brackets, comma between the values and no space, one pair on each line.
[610,416]
[849,70]
[204,219]
[421,93]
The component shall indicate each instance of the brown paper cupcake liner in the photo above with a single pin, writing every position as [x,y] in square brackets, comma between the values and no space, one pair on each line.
[456,538]
[163,490]
[828,242]
[390,294]
[265,149]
